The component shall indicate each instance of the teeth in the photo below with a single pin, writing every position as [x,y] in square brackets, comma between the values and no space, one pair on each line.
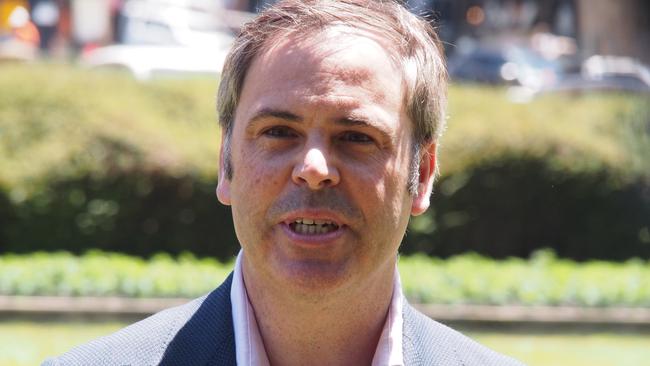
[312,222]
[301,226]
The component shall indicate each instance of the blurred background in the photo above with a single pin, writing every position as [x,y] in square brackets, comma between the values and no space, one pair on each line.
[537,243]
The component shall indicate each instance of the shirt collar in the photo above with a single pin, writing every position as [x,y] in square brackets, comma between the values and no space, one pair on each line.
[249,346]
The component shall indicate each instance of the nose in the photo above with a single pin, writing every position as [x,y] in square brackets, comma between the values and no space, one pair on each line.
[315,170]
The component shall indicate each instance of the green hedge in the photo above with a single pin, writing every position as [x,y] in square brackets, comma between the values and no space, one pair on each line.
[513,207]
[469,278]
[104,274]
[567,172]
[542,280]
[98,160]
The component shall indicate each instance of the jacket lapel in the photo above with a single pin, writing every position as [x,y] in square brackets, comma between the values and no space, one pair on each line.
[410,351]
[208,337]
[425,342]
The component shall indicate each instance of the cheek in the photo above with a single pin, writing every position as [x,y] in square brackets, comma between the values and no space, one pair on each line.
[372,191]
[257,181]
[382,194]
[256,169]
[253,193]
[385,178]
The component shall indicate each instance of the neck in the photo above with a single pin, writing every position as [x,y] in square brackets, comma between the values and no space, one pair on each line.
[341,327]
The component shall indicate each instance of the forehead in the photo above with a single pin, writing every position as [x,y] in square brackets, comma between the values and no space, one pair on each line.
[338,63]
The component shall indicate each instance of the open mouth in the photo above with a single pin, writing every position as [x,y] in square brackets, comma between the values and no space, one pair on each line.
[313,227]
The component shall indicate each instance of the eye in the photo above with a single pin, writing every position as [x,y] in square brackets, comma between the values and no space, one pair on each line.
[356,137]
[279,132]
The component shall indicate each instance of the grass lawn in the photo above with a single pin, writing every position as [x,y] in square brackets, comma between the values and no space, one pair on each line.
[28,343]
[570,349]
[25,343]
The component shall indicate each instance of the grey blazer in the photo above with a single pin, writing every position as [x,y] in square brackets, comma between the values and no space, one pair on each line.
[201,333]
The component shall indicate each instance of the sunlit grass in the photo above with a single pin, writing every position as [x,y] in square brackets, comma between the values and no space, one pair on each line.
[25,343]
[575,349]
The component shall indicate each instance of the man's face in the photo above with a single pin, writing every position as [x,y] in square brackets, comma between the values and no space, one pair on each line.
[320,147]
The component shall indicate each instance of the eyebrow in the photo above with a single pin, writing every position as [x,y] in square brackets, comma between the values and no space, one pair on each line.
[288,116]
[273,113]
[284,115]
[354,121]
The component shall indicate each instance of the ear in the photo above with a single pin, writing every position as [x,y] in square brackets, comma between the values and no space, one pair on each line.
[427,176]
[223,185]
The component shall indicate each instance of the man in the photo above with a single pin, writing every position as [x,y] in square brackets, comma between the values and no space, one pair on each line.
[331,113]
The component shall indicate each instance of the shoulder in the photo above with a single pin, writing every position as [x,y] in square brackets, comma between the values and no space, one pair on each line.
[141,343]
[145,342]
[427,342]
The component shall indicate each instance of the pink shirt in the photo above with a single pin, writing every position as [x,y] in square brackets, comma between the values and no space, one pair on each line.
[250,348]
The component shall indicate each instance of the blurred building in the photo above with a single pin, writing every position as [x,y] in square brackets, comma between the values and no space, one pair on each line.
[609,27]
[620,28]
[604,27]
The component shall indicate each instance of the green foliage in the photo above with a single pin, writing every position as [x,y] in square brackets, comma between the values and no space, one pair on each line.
[103,274]
[585,134]
[58,122]
[98,160]
[470,278]
[567,172]
[542,280]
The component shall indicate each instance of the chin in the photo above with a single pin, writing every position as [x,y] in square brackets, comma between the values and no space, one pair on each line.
[314,276]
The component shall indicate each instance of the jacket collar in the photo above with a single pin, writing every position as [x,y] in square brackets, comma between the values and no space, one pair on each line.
[208,337]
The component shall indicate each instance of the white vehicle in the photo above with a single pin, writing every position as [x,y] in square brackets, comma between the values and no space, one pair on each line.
[605,73]
[162,38]
[147,62]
